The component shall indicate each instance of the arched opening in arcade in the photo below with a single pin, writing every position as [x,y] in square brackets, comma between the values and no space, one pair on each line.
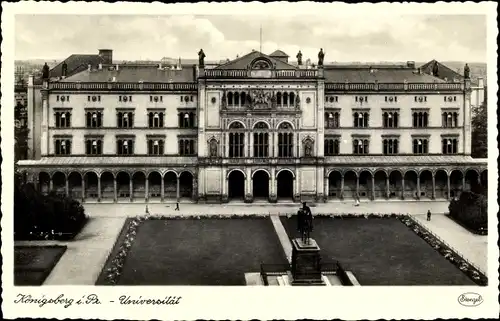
[425,184]
[365,184]
[441,184]
[186,185]
[75,185]
[334,185]
[154,186]
[139,185]
[123,186]
[285,185]
[91,181]
[107,186]
[380,191]
[456,183]
[236,185]
[472,181]
[170,185]
[410,191]
[350,179]
[395,185]
[260,185]
[59,184]
[44,182]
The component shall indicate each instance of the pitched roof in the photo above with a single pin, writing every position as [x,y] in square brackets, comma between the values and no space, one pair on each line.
[382,75]
[243,62]
[76,63]
[279,53]
[134,74]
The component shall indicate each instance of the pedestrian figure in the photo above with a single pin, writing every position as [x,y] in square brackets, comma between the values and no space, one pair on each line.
[356,200]
[147,210]
[177,206]
[429,215]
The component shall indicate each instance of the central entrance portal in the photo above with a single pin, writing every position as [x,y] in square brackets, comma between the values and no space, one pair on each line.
[236,185]
[285,185]
[260,182]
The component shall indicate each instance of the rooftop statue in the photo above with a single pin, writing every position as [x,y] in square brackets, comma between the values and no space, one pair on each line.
[201,58]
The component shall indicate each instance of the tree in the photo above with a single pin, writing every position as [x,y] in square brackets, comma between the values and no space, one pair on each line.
[480,130]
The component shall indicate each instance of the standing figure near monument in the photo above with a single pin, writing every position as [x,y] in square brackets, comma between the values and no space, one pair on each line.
[201,58]
[321,57]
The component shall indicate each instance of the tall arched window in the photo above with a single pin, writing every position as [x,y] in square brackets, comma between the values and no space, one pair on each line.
[236,140]
[278,99]
[285,140]
[261,140]
[332,120]
[292,99]
[390,146]
[230,98]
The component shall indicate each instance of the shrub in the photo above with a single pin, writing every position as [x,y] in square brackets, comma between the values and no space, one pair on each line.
[471,210]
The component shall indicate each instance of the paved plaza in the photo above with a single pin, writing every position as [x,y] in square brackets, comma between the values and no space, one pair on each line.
[87,254]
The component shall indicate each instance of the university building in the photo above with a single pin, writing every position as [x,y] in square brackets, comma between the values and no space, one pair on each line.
[255,129]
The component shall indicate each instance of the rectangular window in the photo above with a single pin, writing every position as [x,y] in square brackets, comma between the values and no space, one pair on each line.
[361,119]
[390,119]
[93,119]
[62,119]
[93,146]
[332,146]
[187,147]
[62,146]
[420,119]
[449,119]
[260,145]
[285,144]
[125,146]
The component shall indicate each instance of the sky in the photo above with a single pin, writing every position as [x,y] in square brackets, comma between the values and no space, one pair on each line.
[146,37]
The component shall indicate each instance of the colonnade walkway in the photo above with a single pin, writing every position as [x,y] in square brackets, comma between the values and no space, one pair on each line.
[85,257]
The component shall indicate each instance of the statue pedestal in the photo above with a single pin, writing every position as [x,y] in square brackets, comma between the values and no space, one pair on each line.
[306,267]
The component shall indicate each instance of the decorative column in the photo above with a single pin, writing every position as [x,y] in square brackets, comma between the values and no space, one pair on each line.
[246,149]
[326,191]
[67,186]
[83,188]
[342,186]
[51,184]
[418,187]
[115,190]
[373,187]
[357,185]
[131,189]
[403,187]
[433,186]
[226,145]
[272,188]
[146,190]
[194,195]
[248,185]
[250,147]
[275,144]
[162,192]
[178,195]
[448,186]
[387,187]
[99,188]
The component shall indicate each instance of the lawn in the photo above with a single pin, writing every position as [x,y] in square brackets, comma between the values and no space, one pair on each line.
[381,252]
[198,251]
[32,264]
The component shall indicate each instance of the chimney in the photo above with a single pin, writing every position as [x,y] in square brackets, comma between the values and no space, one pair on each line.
[195,73]
[106,56]
[89,67]
[159,66]
[100,66]
[117,67]
[410,64]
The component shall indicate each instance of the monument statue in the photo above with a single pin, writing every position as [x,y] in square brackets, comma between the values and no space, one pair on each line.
[466,71]
[321,57]
[201,58]
[299,58]
[308,149]
[304,223]
[224,101]
[213,148]
[297,100]
[45,71]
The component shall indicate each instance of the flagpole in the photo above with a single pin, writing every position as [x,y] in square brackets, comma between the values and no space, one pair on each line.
[261,38]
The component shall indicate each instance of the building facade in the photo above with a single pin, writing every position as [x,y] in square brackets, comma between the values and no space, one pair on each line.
[256,128]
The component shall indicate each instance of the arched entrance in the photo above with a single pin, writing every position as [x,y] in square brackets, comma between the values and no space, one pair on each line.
[334,185]
[44,183]
[380,185]
[456,183]
[236,185]
[107,186]
[365,184]
[91,180]
[139,185]
[123,186]
[75,185]
[441,185]
[170,185]
[260,182]
[395,185]
[410,191]
[425,184]
[285,185]
[154,185]
[350,178]
[59,183]
[186,185]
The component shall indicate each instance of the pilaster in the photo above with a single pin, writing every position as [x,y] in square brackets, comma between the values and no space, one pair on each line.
[202,142]
[44,141]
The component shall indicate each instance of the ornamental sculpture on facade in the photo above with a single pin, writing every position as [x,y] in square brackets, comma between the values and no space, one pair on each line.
[261,99]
